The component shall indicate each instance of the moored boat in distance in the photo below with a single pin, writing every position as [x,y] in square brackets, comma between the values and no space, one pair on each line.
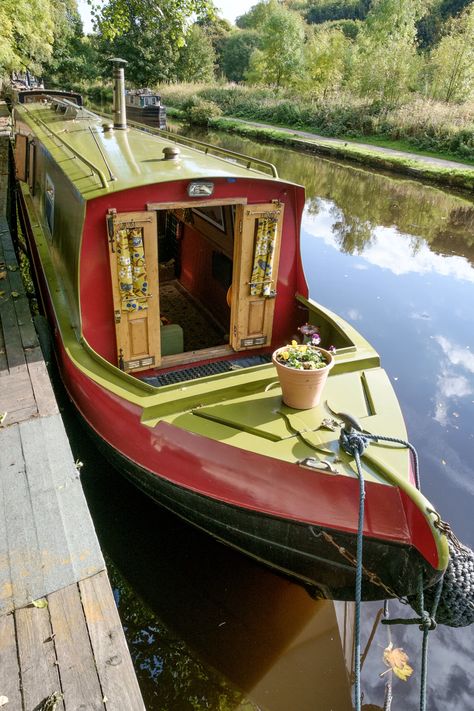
[170,270]
[144,106]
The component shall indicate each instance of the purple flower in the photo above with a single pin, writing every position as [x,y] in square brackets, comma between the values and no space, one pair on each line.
[315,339]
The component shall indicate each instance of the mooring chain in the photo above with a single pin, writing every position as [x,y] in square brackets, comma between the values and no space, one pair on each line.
[445,528]
[372,577]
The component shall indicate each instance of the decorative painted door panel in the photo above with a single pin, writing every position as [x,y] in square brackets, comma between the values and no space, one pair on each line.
[257,241]
[133,252]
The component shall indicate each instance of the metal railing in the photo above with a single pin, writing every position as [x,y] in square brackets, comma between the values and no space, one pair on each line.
[206,148]
[74,151]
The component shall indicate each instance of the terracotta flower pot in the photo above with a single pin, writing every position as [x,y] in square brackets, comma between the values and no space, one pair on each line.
[302,389]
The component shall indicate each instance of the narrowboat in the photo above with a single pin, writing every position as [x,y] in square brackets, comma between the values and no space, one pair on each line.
[144,106]
[147,250]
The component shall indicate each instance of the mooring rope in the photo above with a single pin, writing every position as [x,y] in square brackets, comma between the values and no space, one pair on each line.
[354,442]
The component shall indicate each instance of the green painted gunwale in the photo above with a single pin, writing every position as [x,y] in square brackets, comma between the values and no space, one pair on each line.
[133,157]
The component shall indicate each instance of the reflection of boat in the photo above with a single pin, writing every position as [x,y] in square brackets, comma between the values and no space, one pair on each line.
[145,106]
[136,243]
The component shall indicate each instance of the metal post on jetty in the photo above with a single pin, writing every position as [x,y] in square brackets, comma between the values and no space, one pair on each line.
[62,644]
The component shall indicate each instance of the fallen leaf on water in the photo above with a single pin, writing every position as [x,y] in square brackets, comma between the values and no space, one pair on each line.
[3,275]
[12,267]
[41,603]
[397,660]
[15,294]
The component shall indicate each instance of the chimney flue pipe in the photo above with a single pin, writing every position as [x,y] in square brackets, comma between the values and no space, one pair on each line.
[120,112]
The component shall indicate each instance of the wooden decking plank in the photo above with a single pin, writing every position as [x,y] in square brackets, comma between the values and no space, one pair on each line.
[65,531]
[79,678]
[43,392]
[9,666]
[113,660]
[16,395]
[36,652]
[28,335]
[21,559]
[11,332]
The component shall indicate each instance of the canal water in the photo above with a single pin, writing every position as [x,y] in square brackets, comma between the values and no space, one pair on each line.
[210,629]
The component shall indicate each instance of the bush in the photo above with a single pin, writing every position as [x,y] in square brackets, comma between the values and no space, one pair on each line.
[199,111]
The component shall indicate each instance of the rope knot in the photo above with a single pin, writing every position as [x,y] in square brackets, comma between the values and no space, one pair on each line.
[353,442]
[428,623]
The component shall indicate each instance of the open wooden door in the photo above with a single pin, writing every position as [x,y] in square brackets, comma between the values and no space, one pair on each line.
[133,252]
[257,241]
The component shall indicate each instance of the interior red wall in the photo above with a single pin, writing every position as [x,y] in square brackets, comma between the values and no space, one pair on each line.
[196,274]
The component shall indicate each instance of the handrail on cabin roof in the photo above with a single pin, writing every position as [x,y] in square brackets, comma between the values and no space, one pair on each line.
[73,150]
[199,145]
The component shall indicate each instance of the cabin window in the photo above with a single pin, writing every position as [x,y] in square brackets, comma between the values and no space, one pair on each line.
[49,203]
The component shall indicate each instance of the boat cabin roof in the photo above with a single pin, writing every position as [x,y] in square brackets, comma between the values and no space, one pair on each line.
[106,160]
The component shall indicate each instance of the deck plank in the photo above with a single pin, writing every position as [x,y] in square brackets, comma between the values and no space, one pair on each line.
[38,667]
[9,667]
[42,390]
[79,678]
[20,569]
[113,660]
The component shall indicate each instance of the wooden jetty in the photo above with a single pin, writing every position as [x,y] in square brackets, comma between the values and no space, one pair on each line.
[62,644]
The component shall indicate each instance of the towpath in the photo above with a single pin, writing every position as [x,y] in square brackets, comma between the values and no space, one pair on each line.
[340,143]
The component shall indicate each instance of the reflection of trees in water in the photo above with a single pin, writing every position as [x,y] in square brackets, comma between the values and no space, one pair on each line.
[170,675]
[366,200]
[352,234]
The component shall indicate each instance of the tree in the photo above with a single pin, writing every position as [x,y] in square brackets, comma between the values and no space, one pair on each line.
[26,34]
[326,54]
[237,52]
[74,57]
[279,62]
[452,61]
[147,34]
[218,30]
[385,61]
[169,18]
[197,58]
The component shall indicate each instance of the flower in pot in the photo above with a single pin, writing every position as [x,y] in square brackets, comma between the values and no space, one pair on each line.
[303,369]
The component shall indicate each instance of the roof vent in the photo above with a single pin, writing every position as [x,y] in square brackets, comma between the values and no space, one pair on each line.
[107,126]
[171,153]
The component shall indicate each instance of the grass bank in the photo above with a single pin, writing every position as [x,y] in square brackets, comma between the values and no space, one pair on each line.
[421,124]
[371,157]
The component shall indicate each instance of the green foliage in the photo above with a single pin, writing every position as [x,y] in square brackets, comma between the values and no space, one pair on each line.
[326,59]
[197,57]
[453,61]
[199,111]
[325,10]
[279,61]
[237,52]
[431,27]
[74,57]
[26,34]
[385,61]
[120,17]
[218,31]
